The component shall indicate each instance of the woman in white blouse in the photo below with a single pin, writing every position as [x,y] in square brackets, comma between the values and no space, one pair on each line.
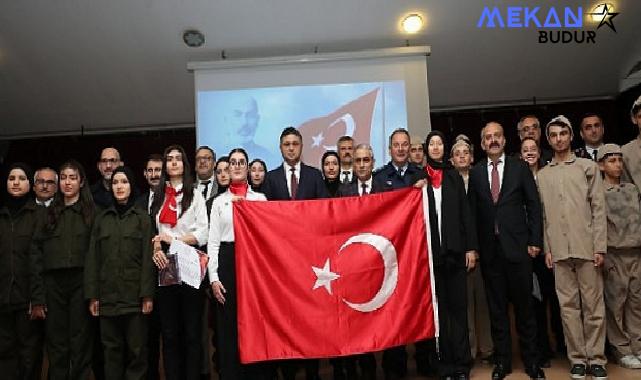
[222,271]
[180,214]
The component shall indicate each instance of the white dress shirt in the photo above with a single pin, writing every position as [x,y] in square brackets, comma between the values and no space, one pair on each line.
[402,169]
[221,227]
[360,186]
[211,187]
[193,221]
[288,175]
[500,166]
[350,175]
[592,150]
[150,200]
[438,198]
[46,203]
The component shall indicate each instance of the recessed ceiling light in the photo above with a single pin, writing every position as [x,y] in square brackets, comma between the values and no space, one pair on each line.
[193,38]
[412,23]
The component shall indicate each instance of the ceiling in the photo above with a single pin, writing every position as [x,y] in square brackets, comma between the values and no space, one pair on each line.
[121,64]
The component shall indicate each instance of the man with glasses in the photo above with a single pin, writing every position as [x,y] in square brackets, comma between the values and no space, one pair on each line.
[45,185]
[101,190]
[530,127]
[205,162]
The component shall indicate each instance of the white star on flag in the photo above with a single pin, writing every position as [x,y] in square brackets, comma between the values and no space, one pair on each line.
[324,277]
[318,139]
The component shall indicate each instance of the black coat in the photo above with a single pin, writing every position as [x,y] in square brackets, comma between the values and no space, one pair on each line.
[517,213]
[458,230]
[310,184]
[351,189]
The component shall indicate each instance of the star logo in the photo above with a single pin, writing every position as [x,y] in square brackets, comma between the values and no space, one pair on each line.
[606,17]
[324,277]
[318,139]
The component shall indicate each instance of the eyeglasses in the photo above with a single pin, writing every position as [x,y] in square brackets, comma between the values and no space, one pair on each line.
[239,163]
[109,161]
[42,182]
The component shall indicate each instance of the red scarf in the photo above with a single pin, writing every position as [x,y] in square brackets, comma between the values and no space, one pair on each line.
[168,214]
[436,176]
[239,188]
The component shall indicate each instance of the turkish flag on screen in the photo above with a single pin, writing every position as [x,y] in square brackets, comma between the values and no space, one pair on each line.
[352,119]
[332,277]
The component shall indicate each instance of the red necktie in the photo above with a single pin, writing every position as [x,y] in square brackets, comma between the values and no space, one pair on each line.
[495,186]
[293,182]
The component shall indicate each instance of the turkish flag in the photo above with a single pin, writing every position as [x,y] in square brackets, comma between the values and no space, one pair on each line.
[352,119]
[332,277]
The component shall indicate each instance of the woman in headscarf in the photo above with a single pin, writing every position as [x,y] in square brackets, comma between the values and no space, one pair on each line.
[180,214]
[257,171]
[454,246]
[330,163]
[22,334]
[120,280]
[222,269]
[60,245]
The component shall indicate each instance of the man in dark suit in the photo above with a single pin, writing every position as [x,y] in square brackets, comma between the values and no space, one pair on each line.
[592,135]
[363,183]
[505,201]
[153,169]
[293,180]
[398,173]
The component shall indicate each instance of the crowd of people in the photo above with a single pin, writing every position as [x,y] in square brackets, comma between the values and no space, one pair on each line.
[556,233]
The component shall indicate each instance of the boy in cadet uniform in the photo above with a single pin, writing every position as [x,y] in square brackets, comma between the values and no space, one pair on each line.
[632,150]
[574,225]
[622,273]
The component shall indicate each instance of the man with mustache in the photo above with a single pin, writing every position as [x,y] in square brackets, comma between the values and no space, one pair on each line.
[101,190]
[45,186]
[505,201]
[205,163]
[345,148]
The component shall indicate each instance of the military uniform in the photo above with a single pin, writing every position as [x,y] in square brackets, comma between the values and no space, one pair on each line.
[119,272]
[632,160]
[20,338]
[392,179]
[623,268]
[574,229]
[58,258]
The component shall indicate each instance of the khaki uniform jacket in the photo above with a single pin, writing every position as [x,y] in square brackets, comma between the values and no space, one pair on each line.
[624,215]
[632,160]
[119,270]
[574,219]
[64,247]
[15,241]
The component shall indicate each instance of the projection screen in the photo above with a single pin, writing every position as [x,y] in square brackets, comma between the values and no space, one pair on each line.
[365,94]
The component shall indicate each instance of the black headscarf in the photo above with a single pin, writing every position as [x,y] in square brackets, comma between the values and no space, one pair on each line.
[221,188]
[122,208]
[14,204]
[330,184]
[445,163]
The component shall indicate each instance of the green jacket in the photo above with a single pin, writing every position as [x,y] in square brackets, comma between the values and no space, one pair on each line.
[64,247]
[119,270]
[15,240]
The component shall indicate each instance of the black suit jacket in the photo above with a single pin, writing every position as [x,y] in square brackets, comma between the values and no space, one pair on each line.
[458,231]
[310,184]
[351,189]
[517,213]
[142,201]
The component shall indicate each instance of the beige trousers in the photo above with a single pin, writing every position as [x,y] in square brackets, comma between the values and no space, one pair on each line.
[622,289]
[579,286]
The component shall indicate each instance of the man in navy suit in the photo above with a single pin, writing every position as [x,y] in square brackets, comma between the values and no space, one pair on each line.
[398,173]
[505,201]
[293,180]
[363,183]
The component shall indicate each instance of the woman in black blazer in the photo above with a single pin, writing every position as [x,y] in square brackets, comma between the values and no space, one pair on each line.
[453,250]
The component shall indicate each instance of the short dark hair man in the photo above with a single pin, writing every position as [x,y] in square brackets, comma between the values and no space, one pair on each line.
[101,190]
[345,148]
[505,201]
[205,163]
[45,185]
[152,172]
[592,129]
[398,172]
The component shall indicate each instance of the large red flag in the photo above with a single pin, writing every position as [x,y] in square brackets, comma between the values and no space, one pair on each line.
[332,277]
[352,119]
